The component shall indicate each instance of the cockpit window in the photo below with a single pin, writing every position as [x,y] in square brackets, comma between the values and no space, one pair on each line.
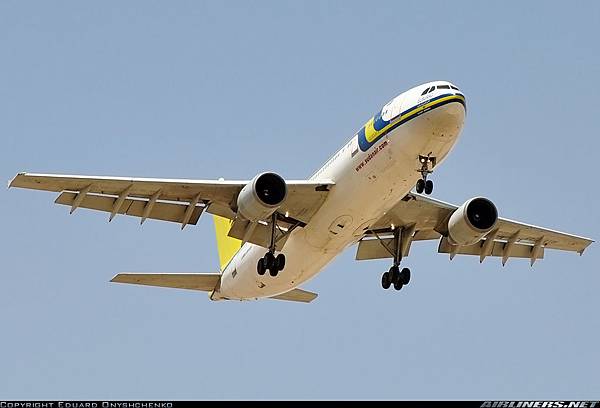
[426,91]
[443,87]
[453,87]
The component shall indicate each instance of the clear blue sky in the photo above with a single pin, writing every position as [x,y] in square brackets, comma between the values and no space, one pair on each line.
[227,89]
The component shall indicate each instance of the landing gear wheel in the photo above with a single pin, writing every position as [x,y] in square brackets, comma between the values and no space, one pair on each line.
[428,187]
[405,276]
[273,271]
[280,262]
[394,274]
[420,186]
[260,266]
[396,277]
[386,280]
[269,260]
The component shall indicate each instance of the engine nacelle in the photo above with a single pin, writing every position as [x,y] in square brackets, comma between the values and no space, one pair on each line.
[470,222]
[262,196]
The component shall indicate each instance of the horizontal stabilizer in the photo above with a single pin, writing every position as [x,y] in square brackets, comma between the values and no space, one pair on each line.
[297,295]
[194,281]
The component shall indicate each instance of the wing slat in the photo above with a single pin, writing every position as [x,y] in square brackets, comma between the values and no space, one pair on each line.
[171,189]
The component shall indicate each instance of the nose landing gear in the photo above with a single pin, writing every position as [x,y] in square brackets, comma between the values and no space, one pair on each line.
[423,184]
[274,264]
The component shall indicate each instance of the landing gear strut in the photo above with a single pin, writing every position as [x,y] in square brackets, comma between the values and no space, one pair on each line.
[395,276]
[270,262]
[423,184]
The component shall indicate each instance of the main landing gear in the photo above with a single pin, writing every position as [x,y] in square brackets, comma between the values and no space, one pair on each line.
[395,276]
[423,184]
[274,264]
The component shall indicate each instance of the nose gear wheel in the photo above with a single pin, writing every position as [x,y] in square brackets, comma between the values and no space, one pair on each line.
[423,184]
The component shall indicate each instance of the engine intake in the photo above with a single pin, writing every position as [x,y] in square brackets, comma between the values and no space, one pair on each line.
[471,222]
[262,196]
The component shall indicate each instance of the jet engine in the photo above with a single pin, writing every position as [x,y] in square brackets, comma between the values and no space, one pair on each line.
[470,222]
[262,196]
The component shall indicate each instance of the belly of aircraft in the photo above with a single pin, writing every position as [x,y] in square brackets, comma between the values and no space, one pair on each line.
[358,197]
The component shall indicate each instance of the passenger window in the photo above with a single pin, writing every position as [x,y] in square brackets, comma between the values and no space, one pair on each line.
[354,146]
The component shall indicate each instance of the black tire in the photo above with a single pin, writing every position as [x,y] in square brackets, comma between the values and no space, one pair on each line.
[269,260]
[280,262]
[260,267]
[428,187]
[385,280]
[420,186]
[398,285]
[405,276]
[394,274]
[273,271]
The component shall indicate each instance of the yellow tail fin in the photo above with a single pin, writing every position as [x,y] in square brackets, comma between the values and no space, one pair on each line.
[226,245]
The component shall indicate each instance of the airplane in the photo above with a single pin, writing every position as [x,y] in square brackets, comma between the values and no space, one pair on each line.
[293,228]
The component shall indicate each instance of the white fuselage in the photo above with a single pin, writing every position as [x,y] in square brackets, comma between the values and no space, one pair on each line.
[374,170]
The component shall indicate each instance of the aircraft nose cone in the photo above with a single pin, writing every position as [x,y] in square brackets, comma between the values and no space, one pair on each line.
[446,121]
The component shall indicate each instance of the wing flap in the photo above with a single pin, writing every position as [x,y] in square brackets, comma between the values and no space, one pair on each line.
[551,239]
[172,211]
[517,251]
[375,249]
[194,281]
[297,295]
[260,234]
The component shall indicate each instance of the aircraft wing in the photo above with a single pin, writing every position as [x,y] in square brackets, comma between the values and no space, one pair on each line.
[176,200]
[422,218]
